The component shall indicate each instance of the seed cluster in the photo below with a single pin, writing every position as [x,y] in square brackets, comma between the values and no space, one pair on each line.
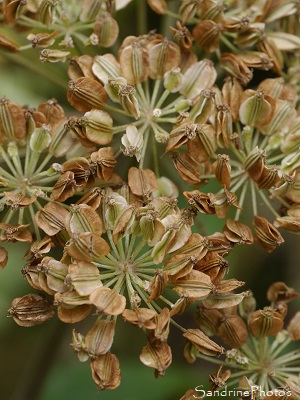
[158,115]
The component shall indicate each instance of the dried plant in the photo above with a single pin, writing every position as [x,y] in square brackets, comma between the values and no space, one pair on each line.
[96,193]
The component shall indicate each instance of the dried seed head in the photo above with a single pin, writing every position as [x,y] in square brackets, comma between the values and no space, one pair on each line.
[222,170]
[31,310]
[104,162]
[202,342]
[156,355]
[142,182]
[188,9]
[267,235]
[42,39]
[159,6]
[142,317]
[256,108]
[233,331]
[207,34]
[53,55]
[108,301]
[106,67]
[236,68]
[198,77]
[293,327]
[236,232]
[266,322]
[134,63]
[99,339]
[106,30]
[85,94]
[12,121]
[133,142]
[279,292]
[163,56]
[106,371]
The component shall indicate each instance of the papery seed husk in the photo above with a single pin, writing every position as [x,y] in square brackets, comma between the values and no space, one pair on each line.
[87,246]
[196,285]
[106,67]
[156,355]
[163,56]
[142,182]
[100,338]
[108,301]
[51,218]
[142,317]
[266,322]
[202,342]
[31,310]
[224,300]
[134,63]
[106,371]
[107,30]
[85,94]
[83,218]
[233,331]
[84,277]
[80,66]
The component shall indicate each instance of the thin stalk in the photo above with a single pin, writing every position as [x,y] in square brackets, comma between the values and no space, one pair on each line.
[162,99]
[7,175]
[44,162]
[142,159]
[267,203]
[239,183]
[253,196]
[110,275]
[142,96]
[241,201]
[229,44]
[130,247]
[155,93]
[36,229]
[137,250]
[122,128]
[155,156]
[142,17]
[286,358]
[211,359]
[114,248]
[275,351]
[276,158]
[144,276]
[7,160]
[121,250]
[107,107]
[111,282]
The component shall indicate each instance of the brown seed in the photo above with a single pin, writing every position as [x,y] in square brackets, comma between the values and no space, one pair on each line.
[85,94]
[30,310]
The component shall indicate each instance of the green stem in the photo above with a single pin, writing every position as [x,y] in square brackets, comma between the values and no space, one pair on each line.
[155,156]
[142,159]
[227,43]
[162,99]
[253,195]
[241,201]
[267,203]
[155,93]
[108,107]
[142,17]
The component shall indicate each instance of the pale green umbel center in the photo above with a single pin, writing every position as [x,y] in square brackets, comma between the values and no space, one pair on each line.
[265,361]
[25,172]
[157,114]
[128,269]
